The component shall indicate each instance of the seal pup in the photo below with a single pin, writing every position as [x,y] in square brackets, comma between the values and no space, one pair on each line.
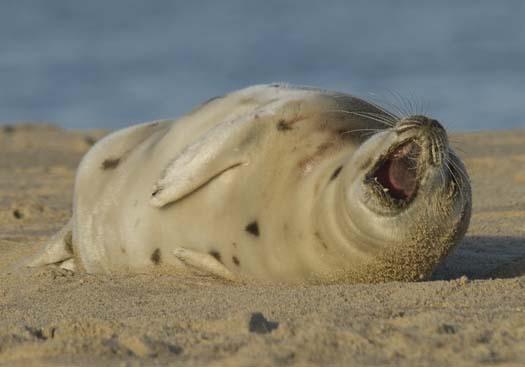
[273,183]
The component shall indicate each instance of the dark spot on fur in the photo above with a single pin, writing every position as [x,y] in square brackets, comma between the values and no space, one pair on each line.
[216,255]
[156,191]
[260,325]
[155,257]
[234,244]
[336,173]
[282,125]
[123,250]
[236,260]
[321,240]
[110,163]
[253,228]
[17,214]
[323,148]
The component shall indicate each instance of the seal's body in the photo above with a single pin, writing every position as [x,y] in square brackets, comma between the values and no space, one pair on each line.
[274,183]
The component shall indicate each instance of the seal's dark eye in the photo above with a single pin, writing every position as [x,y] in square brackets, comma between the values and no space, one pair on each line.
[397,173]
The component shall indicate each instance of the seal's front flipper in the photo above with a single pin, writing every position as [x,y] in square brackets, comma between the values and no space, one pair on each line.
[226,146]
[203,262]
[59,250]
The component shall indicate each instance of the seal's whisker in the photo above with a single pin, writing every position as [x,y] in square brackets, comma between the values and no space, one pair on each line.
[410,105]
[379,116]
[395,106]
[416,103]
[460,171]
[382,121]
[367,131]
[423,106]
[462,174]
[393,115]
[366,114]
[442,174]
[355,130]
[386,117]
[456,182]
[459,168]
[456,147]
[398,111]
[401,106]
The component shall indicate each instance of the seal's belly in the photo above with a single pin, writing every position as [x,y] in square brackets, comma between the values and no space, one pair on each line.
[245,218]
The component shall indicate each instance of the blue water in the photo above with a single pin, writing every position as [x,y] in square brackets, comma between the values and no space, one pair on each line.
[112,63]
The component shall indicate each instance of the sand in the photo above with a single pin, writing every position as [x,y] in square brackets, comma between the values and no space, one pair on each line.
[471,313]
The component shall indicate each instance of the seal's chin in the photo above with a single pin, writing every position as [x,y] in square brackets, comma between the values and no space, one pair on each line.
[396,173]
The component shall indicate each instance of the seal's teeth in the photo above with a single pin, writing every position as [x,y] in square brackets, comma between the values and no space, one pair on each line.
[385,189]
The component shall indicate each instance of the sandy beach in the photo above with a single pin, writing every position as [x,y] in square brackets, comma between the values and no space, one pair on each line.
[471,313]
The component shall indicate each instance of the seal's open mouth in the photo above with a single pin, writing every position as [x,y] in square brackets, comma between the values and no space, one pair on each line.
[397,172]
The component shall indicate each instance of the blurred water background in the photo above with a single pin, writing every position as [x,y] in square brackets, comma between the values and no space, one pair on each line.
[112,63]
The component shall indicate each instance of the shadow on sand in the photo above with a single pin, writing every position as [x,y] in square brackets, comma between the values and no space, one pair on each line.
[485,257]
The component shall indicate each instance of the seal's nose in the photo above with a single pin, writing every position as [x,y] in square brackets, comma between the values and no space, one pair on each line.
[434,124]
[419,122]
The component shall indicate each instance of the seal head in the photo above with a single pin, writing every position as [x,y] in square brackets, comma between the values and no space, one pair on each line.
[404,200]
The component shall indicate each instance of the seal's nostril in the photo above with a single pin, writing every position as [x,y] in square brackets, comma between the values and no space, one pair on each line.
[436,125]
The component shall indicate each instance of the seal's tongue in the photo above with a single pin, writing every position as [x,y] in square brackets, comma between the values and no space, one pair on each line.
[398,172]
